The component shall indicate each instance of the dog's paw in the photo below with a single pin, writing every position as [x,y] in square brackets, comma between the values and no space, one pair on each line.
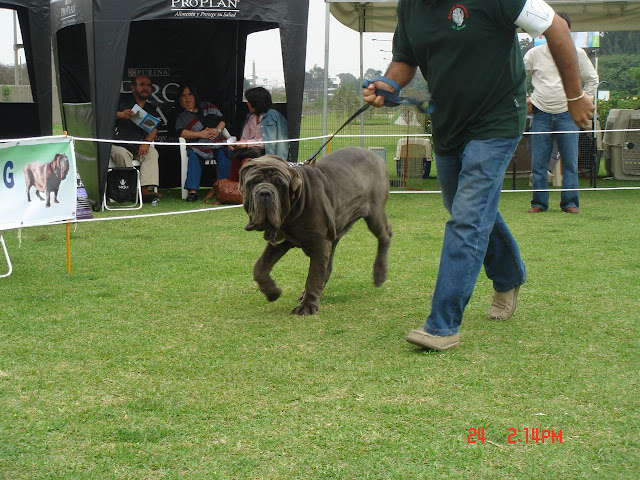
[379,278]
[301,297]
[273,295]
[306,308]
[379,274]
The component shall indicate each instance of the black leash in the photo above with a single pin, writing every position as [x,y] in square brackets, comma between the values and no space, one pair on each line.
[391,99]
[362,109]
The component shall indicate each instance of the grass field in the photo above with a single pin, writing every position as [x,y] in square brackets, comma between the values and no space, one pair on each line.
[157,357]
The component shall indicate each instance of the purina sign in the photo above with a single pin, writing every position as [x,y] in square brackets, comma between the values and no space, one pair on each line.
[205,8]
[149,72]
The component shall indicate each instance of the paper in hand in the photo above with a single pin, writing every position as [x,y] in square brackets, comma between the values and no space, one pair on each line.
[144,120]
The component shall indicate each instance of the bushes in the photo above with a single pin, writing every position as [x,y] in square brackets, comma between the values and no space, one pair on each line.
[615,101]
[6,93]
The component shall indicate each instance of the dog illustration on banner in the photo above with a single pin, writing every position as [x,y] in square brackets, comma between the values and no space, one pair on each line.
[46,177]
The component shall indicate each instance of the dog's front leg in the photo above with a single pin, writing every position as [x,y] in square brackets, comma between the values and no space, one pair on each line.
[55,196]
[316,279]
[47,195]
[262,269]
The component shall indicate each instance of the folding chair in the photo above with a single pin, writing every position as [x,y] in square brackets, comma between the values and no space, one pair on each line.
[120,188]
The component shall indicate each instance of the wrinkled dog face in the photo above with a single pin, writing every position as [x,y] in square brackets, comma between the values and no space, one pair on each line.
[269,187]
[60,165]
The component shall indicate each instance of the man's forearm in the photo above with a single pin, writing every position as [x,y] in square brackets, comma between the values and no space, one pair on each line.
[401,73]
[564,55]
[151,136]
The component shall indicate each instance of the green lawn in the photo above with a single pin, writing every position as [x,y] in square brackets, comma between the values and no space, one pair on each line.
[157,357]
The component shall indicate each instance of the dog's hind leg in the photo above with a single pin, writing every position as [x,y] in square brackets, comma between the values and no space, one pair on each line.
[379,225]
[38,195]
[262,269]
[330,264]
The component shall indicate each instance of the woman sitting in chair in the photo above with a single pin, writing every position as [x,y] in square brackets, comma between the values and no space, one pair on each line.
[263,123]
[200,121]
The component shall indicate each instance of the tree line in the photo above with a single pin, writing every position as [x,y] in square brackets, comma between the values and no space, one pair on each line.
[618,66]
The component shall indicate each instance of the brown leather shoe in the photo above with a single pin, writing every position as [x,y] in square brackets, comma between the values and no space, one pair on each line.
[147,192]
[535,209]
[572,210]
[503,304]
[423,339]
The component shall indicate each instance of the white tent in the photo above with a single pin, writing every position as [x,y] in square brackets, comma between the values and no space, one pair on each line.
[586,15]
[380,16]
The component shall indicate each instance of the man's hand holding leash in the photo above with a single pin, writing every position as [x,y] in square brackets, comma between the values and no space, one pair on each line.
[370,96]
[399,73]
[581,110]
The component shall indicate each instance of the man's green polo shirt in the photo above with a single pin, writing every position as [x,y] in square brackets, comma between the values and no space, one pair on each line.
[468,51]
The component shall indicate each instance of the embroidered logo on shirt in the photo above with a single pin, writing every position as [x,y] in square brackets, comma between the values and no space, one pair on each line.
[458,14]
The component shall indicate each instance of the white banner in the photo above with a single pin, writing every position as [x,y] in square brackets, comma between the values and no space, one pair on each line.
[38,184]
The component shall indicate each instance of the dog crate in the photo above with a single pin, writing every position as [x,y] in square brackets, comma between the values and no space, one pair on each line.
[413,158]
[622,147]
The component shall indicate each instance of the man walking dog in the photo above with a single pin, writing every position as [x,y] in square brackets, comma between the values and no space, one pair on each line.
[469,53]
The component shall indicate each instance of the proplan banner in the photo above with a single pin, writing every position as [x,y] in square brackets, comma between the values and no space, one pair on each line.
[38,182]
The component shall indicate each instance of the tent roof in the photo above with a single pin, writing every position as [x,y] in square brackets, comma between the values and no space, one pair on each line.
[586,15]
[281,12]
[37,6]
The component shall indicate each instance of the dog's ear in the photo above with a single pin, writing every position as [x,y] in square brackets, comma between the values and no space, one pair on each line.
[55,165]
[243,172]
[295,185]
[64,166]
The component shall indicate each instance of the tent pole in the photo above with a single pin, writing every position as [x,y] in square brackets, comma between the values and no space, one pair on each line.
[361,80]
[16,69]
[325,83]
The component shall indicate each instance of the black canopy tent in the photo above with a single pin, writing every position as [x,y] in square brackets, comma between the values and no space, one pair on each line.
[101,45]
[26,119]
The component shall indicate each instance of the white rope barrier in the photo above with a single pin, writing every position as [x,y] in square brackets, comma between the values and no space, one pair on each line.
[321,137]
[198,144]
[146,215]
[226,207]
[550,190]
[288,140]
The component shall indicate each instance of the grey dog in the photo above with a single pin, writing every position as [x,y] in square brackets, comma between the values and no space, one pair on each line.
[312,207]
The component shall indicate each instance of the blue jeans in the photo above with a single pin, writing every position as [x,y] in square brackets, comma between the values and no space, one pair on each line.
[541,150]
[476,232]
[195,162]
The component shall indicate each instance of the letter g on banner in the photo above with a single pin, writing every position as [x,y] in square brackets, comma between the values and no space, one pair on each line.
[7,175]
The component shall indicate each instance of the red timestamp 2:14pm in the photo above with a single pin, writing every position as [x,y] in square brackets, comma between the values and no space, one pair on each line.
[515,435]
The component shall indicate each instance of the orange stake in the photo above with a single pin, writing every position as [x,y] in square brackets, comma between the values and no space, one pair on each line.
[68,247]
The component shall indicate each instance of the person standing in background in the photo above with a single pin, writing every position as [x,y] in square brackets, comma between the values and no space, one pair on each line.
[549,105]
